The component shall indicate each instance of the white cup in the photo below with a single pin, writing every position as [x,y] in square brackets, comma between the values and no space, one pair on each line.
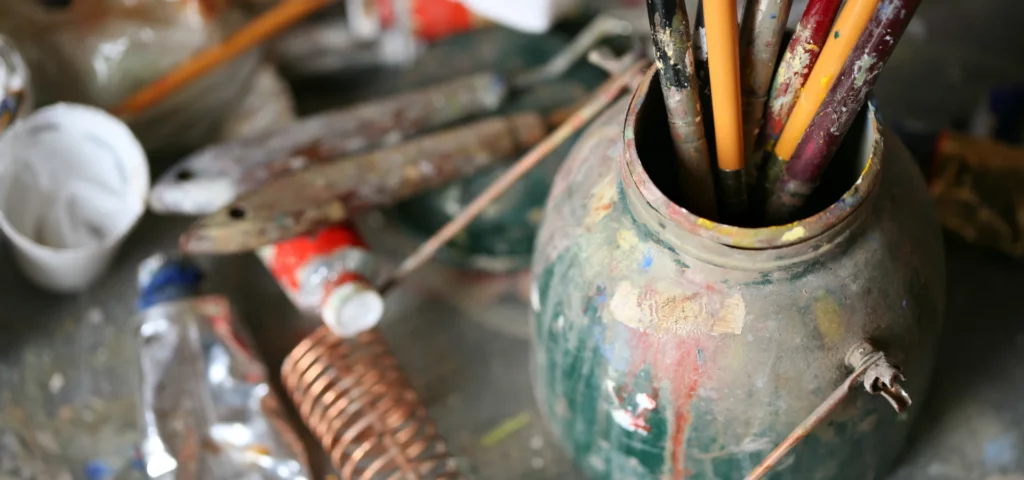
[73,183]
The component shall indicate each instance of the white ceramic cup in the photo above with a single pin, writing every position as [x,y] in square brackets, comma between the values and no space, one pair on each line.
[73,184]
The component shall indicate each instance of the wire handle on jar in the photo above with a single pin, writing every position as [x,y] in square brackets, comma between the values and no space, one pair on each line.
[879,378]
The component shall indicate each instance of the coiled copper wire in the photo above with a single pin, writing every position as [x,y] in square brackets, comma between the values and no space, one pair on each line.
[358,403]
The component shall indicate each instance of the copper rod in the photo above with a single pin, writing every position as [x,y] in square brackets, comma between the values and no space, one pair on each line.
[270,23]
[604,96]
[816,417]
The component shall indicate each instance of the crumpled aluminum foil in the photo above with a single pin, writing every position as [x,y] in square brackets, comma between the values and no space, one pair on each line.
[208,410]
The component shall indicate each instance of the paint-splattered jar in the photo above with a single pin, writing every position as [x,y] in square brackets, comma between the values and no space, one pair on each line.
[669,346]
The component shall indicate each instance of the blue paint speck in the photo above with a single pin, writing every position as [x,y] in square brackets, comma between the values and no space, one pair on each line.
[1001,452]
[700,356]
[647,261]
[602,294]
[836,35]
[97,470]
[774,16]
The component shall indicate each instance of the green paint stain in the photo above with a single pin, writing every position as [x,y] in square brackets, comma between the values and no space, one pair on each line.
[836,35]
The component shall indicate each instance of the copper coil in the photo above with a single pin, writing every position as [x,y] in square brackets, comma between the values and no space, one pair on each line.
[358,403]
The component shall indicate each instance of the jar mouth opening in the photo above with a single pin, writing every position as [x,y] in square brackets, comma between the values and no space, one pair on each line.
[850,177]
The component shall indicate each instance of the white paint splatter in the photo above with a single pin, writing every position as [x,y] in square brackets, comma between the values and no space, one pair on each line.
[94,316]
[56,383]
[645,402]
[702,34]
[535,297]
[629,422]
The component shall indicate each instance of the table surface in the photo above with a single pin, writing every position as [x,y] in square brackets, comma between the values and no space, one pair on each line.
[59,355]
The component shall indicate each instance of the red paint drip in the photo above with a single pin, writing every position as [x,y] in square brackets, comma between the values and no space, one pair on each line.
[291,255]
[674,361]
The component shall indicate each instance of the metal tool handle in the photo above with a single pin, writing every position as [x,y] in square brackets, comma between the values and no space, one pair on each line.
[600,28]
[879,378]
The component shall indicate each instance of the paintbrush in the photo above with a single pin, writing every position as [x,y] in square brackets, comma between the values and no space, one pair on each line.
[700,64]
[599,100]
[721,30]
[331,191]
[839,109]
[764,22]
[852,21]
[270,23]
[670,31]
[795,66]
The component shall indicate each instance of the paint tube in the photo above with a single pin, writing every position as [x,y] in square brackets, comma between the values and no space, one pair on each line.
[328,46]
[424,20]
[207,407]
[330,273]
[530,16]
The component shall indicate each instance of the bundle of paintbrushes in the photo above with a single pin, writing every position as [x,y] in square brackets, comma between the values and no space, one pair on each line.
[766,126]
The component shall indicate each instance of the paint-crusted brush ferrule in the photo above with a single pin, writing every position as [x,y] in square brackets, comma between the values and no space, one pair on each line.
[761,31]
[670,31]
[787,196]
[703,73]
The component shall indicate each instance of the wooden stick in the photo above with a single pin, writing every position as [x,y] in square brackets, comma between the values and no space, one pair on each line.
[849,26]
[271,22]
[840,108]
[764,22]
[670,31]
[604,96]
[794,68]
[722,34]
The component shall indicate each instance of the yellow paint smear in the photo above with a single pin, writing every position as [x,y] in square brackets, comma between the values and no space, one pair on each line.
[602,199]
[794,234]
[505,429]
[627,239]
[829,318]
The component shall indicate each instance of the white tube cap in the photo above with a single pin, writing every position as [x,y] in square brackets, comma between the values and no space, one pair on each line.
[352,308]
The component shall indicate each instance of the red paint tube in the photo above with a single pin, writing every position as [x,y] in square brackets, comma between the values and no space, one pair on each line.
[428,20]
[329,273]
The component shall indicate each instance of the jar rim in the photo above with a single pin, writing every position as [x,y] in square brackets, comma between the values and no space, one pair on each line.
[773,236]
